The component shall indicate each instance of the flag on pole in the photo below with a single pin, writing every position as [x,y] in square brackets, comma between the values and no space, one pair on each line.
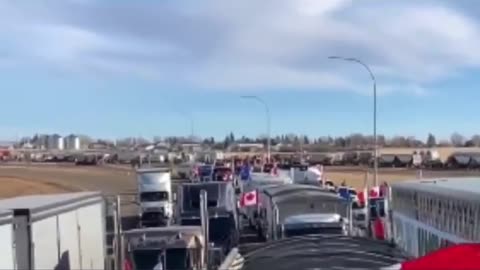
[249,198]
[457,257]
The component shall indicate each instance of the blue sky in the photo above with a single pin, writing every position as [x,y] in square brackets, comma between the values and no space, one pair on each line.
[120,68]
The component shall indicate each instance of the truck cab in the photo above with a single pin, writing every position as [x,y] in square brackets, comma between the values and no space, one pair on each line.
[166,248]
[154,187]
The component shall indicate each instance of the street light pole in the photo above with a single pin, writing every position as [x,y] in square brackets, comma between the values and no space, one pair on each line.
[375,140]
[267,112]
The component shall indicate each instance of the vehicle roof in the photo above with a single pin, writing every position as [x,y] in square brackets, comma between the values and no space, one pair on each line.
[212,183]
[167,237]
[284,189]
[322,252]
[265,177]
[44,201]
[317,194]
[466,187]
[312,218]
[152,169]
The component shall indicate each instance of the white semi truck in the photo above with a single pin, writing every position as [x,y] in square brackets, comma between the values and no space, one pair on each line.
[54,231]
[154,187]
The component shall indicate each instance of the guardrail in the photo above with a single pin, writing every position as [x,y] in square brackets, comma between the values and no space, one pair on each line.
[233,261]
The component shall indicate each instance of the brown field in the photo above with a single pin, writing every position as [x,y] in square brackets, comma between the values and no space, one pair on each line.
[23,180]
[355,176]
[12,187]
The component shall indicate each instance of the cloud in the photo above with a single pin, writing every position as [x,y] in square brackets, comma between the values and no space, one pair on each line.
[246,44]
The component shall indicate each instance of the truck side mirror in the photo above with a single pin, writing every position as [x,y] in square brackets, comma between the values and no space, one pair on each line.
[174,196]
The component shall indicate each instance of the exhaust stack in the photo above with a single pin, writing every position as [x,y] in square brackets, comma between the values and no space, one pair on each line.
[204,219]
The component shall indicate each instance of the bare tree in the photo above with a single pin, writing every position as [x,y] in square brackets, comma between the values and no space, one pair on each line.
[398,141]
[431,141]
[475,140]
[457,139]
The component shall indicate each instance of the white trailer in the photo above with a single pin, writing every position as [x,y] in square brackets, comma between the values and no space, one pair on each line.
[7,258]
[62,231]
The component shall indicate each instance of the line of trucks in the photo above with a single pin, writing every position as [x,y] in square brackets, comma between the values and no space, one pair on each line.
[196,227]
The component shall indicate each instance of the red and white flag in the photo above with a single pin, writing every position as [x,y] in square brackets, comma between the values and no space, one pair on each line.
[374,192]
[457,257]
[249,198]
[361,197]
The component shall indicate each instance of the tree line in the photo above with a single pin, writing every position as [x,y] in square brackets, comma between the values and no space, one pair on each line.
[355,140]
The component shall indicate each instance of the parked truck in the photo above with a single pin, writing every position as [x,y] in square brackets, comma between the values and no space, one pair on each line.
[154,186]
[62,231]
[167,248]
[222,211]
[288,210]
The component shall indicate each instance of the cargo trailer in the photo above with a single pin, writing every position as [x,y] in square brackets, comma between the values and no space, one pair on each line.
[61,231]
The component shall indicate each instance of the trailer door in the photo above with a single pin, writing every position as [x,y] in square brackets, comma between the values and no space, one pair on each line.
[6,246]
[69,239]
[44,241]
[92,242]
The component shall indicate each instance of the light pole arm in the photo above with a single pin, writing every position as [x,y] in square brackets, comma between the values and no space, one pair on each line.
[375,140]
[267,112]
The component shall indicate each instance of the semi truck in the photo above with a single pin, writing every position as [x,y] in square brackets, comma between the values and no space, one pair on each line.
[61,231]
[154,188]
[222,212]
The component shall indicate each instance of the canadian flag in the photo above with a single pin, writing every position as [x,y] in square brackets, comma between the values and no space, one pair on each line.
[457,257]
[361,197]
[374,192]
[249,198]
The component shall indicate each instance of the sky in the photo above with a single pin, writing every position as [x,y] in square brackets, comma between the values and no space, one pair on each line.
[143,68]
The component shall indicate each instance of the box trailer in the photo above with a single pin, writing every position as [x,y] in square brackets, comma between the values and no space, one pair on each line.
[61,231]
[7,258]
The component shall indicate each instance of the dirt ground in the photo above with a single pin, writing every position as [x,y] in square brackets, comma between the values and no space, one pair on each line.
[12,187]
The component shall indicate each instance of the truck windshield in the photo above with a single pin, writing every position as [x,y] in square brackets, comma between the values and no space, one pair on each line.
[220,229]
[306,230]
[205,170]
[154,196]
[223,170]
[151,178]
[267,168]
[176,258]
